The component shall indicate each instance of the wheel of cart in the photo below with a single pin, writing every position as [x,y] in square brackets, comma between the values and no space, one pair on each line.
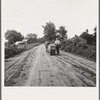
[52,50]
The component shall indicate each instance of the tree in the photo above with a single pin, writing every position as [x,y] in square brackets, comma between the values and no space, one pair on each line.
[88,37]
[13,36]
[41,40]
[49,31]
[32,37]
[94,34]
[62,31]
[87,30]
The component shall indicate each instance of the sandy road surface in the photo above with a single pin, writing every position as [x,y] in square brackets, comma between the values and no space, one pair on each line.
[35,67]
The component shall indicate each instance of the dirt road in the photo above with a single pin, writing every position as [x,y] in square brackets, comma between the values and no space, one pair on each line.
[35,67]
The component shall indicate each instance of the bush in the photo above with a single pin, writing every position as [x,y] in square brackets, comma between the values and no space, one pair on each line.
[13,49]
[88,37]
[79,46]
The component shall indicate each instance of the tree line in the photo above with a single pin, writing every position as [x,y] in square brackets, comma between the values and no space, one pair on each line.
[84,45]
[50,33]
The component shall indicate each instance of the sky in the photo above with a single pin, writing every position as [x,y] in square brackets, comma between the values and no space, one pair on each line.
[28,16]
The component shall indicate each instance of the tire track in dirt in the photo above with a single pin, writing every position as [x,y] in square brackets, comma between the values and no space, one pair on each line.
[39,68]
[74,58]
[84,69]
[66,74]
[18,69]
[12,65]
[43,73]
[82,73]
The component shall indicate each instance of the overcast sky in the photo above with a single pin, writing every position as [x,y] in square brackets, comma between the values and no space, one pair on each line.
[28,16]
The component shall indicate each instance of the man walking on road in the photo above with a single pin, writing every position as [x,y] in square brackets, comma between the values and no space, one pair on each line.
[57,43]
[46,45]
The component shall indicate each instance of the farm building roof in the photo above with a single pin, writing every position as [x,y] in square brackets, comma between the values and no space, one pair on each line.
[23,41]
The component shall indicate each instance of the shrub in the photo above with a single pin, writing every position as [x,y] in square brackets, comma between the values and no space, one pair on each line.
[13,49]
[79,46]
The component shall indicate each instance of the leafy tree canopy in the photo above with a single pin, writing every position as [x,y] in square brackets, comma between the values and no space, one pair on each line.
[88,37]
[94,34]
[32,37]
[13,36]
[62,31]
[49,31]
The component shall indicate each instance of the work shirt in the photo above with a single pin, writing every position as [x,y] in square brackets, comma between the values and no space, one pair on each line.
[57,42]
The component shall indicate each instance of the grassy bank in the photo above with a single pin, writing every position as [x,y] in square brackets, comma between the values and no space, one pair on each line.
[14,50]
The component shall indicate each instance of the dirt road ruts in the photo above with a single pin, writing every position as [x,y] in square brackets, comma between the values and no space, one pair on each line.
[35,67]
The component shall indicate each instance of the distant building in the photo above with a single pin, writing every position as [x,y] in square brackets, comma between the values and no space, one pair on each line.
[21,44]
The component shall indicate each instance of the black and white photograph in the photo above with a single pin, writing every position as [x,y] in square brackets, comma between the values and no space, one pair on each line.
[50,43]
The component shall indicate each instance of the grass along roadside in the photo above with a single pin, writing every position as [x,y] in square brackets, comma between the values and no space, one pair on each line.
[14,50]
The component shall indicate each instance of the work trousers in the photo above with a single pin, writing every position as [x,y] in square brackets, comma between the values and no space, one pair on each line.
[57,49]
